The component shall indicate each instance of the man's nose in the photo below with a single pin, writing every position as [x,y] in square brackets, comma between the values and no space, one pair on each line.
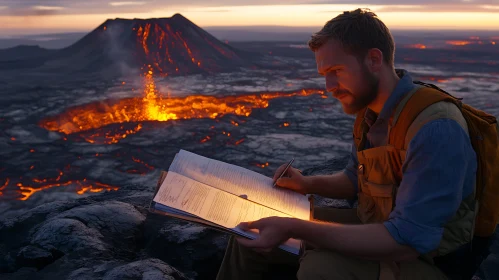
[331,83]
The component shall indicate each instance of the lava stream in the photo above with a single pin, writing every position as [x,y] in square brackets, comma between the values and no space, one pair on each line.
[154,108]
[84,186]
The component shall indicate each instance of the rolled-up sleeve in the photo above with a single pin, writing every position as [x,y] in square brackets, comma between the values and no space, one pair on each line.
[437,174]
[351,168]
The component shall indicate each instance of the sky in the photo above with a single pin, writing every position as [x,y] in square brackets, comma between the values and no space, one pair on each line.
[20,17]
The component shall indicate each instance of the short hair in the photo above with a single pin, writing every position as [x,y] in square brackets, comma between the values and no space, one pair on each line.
[357,31]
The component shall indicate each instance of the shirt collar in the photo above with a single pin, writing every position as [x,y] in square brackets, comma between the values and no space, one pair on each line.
[404,85]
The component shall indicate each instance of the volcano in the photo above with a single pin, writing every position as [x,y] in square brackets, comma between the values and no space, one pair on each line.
[171,46]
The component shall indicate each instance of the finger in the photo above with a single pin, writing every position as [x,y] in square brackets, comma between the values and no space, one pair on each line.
[249,225]
[279,171]
[293,172]
[287,183]
[244,226]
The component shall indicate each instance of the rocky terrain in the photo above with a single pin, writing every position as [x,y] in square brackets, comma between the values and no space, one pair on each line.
[113,236]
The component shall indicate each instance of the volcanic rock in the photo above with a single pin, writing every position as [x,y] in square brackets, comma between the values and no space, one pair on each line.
[87,228]
[113,236]
[145,269]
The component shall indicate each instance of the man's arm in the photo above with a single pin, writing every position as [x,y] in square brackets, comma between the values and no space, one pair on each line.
[332,186]
[369,241]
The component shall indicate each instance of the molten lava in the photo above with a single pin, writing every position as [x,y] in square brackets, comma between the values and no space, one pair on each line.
[143,163]
[151,107]
[177,46]
[262,165]
[458,43]
[417,46]
[26,190]
[83,186]
[4,185]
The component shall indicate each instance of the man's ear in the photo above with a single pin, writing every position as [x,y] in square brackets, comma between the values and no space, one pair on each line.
[374,59]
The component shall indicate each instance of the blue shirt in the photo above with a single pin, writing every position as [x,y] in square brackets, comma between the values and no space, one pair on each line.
[438,173]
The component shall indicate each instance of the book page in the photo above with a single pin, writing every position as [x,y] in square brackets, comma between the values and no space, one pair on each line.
[240,181]
[225,209]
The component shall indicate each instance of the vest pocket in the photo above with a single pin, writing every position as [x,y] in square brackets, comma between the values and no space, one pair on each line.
[365,208]
[382,196]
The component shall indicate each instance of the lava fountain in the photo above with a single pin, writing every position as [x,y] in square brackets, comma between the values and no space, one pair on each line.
[153,107]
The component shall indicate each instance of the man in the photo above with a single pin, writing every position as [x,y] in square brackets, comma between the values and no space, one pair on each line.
[402,225]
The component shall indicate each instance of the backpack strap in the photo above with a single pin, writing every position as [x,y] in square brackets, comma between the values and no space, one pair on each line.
[409,109]
[439,110]
[359,130]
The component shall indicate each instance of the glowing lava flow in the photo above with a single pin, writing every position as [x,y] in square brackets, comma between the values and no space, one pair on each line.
[3,186]
[417,46]
[458,43]
[84,186]
[154,108]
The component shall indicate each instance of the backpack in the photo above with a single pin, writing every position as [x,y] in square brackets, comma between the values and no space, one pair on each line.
[484,135]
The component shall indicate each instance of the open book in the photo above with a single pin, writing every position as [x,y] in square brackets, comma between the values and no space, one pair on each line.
[222,195]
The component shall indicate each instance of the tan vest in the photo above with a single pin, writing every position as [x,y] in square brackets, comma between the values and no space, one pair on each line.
[380,173]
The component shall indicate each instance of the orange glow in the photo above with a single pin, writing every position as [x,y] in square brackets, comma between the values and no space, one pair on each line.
[159,43]
[154,108]
[434,79]
[144,34]
[32,151]
[458,43]
[239,141]
[262,165]
[493,43]
[4,186]
[13,138]
[143,163]
[286,124]
[111,137]
[205,139]
[28,191]
[417,46]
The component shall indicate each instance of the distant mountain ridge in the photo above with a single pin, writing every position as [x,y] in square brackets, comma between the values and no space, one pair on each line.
[24,52]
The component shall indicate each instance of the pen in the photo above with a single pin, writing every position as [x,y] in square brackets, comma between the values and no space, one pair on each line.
[284,171]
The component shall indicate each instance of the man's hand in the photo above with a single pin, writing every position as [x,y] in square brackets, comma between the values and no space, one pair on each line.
[273,231]
[292,179]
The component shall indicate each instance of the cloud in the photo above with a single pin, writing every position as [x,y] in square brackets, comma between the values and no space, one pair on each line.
[129,3]
[39,10]
[490,7]
[438,8]
[47,8]
[216,10]
[23,7]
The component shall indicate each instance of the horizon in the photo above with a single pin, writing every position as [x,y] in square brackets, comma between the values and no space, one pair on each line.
[51,16]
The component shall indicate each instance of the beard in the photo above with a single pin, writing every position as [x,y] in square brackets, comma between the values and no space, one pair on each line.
[364,96]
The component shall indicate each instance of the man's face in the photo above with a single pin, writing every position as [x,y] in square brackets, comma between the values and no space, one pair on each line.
[348,79]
